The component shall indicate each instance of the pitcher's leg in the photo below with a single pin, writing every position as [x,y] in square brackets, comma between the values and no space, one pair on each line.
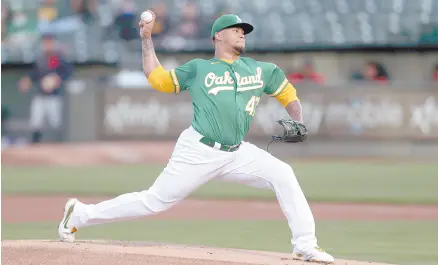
[257,168]
[176,182]
[191,165]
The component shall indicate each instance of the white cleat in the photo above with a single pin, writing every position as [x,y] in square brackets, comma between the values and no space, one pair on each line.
[315,254]
[65,230]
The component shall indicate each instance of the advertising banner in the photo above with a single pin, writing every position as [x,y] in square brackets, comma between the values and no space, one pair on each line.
[329,114]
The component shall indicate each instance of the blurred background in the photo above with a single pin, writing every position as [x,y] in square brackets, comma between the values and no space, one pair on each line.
[366,72]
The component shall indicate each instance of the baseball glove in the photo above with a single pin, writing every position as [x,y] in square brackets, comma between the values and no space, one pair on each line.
[294,132]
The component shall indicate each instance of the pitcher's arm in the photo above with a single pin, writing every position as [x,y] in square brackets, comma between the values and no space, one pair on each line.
[149,58]
[288,98]
[295,110]
[157,76]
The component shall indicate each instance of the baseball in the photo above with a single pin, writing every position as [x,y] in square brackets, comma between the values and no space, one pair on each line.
[146,16]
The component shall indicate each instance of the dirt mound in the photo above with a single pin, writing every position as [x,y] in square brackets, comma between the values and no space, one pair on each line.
[109,253]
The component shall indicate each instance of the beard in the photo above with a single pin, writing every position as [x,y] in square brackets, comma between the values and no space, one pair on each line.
[239,49]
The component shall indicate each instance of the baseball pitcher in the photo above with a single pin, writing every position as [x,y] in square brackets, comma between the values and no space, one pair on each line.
[225,91]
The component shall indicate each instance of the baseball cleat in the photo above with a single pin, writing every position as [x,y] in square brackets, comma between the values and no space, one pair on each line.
[65,230]
[315,254]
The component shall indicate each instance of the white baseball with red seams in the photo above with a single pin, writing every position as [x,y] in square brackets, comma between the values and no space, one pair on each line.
[146,16]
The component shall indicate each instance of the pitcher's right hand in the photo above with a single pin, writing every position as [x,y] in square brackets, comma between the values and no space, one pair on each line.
[146,28]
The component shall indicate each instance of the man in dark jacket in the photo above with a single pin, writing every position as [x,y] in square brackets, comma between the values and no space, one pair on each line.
[48,76]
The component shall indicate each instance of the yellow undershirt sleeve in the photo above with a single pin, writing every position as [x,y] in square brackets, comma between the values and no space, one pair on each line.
[288,95]
[161,80]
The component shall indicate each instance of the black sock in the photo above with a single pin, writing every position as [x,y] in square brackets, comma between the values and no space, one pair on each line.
[36,136]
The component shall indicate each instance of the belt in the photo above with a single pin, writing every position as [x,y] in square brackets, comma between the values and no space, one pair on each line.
[222,147]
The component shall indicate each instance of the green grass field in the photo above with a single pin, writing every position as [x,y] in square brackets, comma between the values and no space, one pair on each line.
[402,242]
[327,182]
[391,242]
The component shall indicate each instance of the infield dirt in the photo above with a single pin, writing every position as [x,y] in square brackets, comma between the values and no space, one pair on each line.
[129,253]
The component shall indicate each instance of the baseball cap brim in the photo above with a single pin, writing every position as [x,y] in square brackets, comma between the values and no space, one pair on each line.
[247,28]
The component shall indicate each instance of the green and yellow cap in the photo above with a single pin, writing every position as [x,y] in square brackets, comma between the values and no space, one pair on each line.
[228,21]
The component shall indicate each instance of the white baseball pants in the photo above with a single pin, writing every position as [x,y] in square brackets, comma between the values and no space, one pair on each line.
[191,165]
[45,106]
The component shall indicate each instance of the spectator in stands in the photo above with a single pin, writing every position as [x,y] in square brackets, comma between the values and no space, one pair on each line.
[435,73]
[189,26]
[306,74]
[19,26]
[48,75]
[374,72]
[87,9]
[48,11]
[126,20]
[161,26]
[52,21]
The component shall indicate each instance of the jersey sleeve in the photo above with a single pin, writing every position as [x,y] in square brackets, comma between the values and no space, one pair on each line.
[276,83]
[183,75]
[288,95]
[161,80]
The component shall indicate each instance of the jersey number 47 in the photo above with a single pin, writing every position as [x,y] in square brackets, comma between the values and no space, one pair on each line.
[251,105]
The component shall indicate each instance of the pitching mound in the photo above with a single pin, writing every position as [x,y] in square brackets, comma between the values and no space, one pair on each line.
[110,253]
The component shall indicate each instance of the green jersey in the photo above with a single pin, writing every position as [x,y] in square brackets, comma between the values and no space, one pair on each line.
[225,95]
